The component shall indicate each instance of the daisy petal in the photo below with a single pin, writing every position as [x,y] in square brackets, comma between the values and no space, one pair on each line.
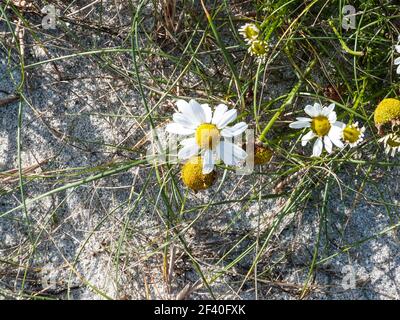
[227,118]
[231,154]
[188,151]
[332,117]
[188,141]
[208,162]
[208,112]
[237,129]
[218,113]
[225,152]
[183,106]
[311,111]
[328,144]
[239,154]
[335,134]
[396,61]
[318,108]
[398,69]
[307,137]
[197,111]
[303,119]
[339,124]
[192,111]
[397,47]
[176,128]
[184,121]
[317,149]
[326,111]
[300,124]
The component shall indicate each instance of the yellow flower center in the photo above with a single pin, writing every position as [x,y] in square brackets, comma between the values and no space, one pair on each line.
[193,177]
[387,111]
[320,125]
[207,136]
[258,48]
[351,134]
[262,155]
[393,142]
[251,32]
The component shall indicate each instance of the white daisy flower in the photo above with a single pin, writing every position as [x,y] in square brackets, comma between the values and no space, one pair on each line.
[352,134]
[259,49]
[323,126]
[397,60]
[206,130]
[250,32]
[392,143]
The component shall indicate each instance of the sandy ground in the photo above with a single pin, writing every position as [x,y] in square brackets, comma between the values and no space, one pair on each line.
[72,240]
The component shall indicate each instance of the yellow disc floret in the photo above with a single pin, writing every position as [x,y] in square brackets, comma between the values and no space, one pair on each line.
[262,155]
[321,126]
[351,134]
[258,48]
[249,31]
[207,136]
[393,141]
[193,177]
[388,111]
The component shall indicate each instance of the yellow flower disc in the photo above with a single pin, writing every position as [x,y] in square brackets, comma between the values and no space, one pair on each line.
[251,32]
[393,141]
[262,155]
[193,177]
[351,134]
[258,48]
[207,135]
[387,111]
[321,126]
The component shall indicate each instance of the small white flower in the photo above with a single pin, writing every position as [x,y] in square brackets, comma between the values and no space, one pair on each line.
[397,60]
[323,126]
[250,32]
[352,134]
[392,143]
[259,49]
[206,129]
